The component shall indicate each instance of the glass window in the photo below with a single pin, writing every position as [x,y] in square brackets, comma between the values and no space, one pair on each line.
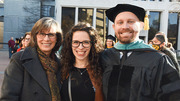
[1,14]
[154,23]
[68,18]
[85,15]
[1,11]
[173,29]
[48,0]
[142,37]
[101,23]
[2,18]
[47,11]
[1,1]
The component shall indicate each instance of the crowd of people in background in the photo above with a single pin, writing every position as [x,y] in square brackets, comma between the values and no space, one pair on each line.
[19,43]
[123,69]
[24,41]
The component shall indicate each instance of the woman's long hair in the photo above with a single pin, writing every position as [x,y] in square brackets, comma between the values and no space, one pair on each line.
[68,58]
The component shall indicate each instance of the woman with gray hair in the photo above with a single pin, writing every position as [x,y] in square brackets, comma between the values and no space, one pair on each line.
[33,74]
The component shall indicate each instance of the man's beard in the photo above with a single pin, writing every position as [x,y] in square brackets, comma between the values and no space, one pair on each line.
[128,40]
[125,41]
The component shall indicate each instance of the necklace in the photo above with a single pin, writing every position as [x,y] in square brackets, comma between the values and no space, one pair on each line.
[82,71]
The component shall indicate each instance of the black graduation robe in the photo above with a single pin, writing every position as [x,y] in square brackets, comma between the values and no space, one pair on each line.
[146,75]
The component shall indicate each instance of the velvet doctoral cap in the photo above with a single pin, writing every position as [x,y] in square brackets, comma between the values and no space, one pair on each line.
[114,11]
[111,37]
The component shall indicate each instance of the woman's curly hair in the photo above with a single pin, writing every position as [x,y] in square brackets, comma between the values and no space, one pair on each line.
[68,58]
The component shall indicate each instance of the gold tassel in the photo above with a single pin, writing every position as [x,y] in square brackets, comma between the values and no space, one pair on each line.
[146,22]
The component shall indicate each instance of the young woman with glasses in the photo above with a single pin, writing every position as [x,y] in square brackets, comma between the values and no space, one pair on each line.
[33,74]
[81,71]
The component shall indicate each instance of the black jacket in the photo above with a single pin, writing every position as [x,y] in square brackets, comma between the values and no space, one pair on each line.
[25,78]
[172,56]
[146,75]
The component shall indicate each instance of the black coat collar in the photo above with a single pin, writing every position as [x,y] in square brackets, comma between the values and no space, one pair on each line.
[33,66]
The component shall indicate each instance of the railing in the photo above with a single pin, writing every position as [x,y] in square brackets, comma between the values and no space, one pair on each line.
[178,53]
[3,43]
[3,46]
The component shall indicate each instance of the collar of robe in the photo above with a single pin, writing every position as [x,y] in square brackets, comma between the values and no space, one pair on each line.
[138,44]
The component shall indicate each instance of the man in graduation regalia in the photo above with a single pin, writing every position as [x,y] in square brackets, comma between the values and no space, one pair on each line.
[133,70]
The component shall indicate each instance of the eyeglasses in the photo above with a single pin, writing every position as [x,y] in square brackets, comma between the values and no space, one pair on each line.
[27,39]
[85,44]
[50,35]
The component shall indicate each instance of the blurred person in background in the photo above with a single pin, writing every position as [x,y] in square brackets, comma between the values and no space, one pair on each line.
[168,44]
[110,41]
[160,42]
[11,44]
[17,45]
[34,74]
[21,45]
[27,38]
[25,41]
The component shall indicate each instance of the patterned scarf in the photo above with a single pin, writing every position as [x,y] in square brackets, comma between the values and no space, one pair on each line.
[51,67]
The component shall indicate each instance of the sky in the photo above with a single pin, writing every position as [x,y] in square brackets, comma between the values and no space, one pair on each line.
[1,1]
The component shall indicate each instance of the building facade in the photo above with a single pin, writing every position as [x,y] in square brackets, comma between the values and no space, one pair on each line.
[163,16]
[20,15]
[1,22]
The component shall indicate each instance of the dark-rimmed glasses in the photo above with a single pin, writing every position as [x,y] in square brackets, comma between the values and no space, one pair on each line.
[27,39]
[85,44]
[50,35]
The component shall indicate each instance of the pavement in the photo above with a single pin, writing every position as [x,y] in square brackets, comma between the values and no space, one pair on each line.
[4,61]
